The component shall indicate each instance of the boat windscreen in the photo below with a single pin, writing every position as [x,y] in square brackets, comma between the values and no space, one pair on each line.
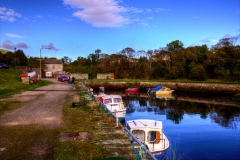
[140,134]
[106,101]
[117,100]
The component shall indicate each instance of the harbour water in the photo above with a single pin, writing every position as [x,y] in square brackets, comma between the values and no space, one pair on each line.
[199,127]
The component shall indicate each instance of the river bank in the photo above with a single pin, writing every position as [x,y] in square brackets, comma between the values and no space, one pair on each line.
[229,89]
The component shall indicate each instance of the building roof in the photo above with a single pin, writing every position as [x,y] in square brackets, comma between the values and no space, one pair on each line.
[53,61]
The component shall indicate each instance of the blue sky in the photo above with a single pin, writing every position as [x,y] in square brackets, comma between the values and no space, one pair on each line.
[76,28]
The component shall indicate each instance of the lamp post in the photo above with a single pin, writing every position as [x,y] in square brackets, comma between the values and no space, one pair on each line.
[15,58]
[41,60]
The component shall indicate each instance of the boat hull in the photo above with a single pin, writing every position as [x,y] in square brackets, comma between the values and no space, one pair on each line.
[131,91]
[164,92]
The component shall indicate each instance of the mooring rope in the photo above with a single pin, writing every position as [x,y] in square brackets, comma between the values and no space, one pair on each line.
[141,152]
[134,150]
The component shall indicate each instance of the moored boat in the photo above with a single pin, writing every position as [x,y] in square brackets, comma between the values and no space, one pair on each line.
[114,104]
[131,90]
[160,90]
[164,91]
[150,133]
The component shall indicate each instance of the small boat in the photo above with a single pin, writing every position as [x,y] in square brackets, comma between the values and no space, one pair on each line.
[160,90]
[132,90]
[29,74]
[113,103]
[165,97]
[164,91]
[150,133]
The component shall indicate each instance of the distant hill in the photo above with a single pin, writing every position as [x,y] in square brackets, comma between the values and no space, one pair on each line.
[4,51]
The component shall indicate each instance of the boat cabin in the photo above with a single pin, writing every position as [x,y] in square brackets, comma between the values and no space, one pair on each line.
[150,133]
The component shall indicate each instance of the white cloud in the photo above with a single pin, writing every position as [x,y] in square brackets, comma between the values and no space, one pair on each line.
[150,18]
[67,20]
[99,13]
[161,10]
[22,45]
[134,10]
[38,16]
[8,14]
[7,44]
[14,35]
[50,46]
[148,10]
[208,40]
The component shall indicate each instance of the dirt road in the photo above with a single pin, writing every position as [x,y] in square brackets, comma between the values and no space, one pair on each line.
[41,106]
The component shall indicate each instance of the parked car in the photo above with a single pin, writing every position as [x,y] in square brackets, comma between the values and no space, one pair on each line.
[3,65]
[63,78]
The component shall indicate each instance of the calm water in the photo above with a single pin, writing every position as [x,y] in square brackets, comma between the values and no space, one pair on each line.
[198,127]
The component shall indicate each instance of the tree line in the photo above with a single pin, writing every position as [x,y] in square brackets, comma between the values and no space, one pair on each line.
[221,61]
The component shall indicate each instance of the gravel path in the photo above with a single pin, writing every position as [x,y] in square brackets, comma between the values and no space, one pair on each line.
[42,106]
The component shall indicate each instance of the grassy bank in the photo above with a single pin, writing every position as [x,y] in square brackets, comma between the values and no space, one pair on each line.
[10,83]
[208,81]
[89,117]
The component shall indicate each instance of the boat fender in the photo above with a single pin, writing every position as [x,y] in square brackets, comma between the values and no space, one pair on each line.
[122,106]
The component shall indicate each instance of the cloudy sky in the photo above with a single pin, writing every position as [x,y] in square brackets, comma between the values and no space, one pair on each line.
[76,28]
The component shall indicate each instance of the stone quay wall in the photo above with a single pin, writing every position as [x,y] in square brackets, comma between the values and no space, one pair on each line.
[79,75]
[184,87]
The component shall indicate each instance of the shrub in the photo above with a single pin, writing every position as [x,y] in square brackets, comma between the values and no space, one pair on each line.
[198,73]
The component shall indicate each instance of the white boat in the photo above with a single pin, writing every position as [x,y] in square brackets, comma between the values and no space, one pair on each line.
[164,91]
[29,74]
[150,133]
[113,103]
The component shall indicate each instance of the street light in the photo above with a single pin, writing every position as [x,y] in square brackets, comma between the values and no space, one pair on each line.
[15,58]
[41,60]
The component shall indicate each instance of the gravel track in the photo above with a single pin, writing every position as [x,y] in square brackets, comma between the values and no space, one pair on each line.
[41,106]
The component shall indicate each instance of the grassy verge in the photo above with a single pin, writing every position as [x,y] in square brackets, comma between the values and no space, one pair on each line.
[210,81]
[22,142]
[82,119]
[10,83]
[6,106]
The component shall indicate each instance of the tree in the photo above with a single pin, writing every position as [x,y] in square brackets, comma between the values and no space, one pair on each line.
[21,58]
[174,46]
[129,52]
[66,60]
[198,73]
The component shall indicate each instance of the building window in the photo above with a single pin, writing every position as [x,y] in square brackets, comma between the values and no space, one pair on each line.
[53,66]
[59,66]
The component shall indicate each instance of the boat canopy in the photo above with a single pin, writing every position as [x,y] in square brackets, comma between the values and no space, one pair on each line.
[144,123]
[155,89]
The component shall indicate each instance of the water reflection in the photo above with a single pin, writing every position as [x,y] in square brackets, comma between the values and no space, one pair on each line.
[220,111]
[199,126]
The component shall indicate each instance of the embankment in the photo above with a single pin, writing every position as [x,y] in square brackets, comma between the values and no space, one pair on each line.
[182,87]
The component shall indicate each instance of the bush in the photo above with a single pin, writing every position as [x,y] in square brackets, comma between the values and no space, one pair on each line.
[198,73]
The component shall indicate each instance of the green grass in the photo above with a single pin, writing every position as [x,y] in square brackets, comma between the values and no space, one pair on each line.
[10,83]
[210,81]
[6,106]
[20,142]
